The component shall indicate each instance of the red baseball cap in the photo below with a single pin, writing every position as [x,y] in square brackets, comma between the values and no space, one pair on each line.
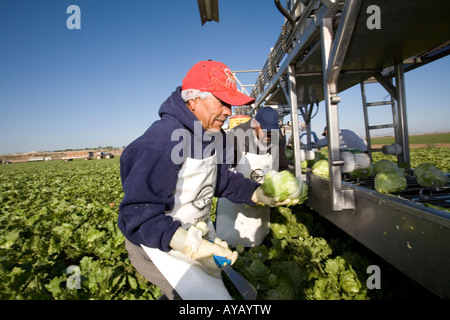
[217,78]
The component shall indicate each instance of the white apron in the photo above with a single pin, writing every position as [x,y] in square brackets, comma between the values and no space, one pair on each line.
[193,196]
[240,223]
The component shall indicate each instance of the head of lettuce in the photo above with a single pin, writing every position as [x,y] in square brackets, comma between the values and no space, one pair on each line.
[383,165]
[321,169]
[390,181]
[284,185]
[430,176]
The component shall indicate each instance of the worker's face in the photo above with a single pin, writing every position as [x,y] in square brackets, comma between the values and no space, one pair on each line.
[263,135]
[211,112]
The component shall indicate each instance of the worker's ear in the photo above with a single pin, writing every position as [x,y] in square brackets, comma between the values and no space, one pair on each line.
[192,104]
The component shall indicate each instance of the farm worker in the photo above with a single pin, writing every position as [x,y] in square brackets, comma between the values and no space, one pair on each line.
[169,176]
[257,145]
[303,137]
[348,140]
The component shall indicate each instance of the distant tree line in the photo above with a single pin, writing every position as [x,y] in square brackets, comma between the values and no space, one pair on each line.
[92,148]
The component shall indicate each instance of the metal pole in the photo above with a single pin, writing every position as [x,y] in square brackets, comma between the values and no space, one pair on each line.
[402,119]
[366,120]
[333,55]
[292,85]
[334,156]
[343,36]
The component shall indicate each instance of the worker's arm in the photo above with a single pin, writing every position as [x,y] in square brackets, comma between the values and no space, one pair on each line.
[314,136]
[320,143]
[234,186]
[148,180]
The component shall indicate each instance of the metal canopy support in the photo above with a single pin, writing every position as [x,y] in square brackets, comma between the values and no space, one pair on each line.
[334,155]
[333,54]
[386,84]
[294,119]
[209,10]
[402,129]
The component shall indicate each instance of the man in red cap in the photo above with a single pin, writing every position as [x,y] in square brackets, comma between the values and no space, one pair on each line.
[169,186]
[217,79]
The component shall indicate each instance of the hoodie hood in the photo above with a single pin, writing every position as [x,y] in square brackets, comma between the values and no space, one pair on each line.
[175,107]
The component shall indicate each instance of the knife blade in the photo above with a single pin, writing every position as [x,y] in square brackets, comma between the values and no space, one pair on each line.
[245,288]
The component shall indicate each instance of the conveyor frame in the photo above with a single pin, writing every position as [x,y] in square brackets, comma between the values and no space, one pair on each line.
[410,236]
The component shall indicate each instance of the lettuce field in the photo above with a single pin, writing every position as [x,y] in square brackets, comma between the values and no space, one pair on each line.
[59,240]
[60,214]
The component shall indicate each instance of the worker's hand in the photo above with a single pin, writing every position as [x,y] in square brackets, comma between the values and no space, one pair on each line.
[234,255]
[218,248]
[190,243]
[259,197]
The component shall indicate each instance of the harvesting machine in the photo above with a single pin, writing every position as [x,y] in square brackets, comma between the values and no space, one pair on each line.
[328,46]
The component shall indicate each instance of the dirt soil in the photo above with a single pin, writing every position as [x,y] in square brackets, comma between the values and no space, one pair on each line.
[23,157]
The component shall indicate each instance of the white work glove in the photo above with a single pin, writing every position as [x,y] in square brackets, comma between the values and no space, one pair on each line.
[190,243]
[259,197]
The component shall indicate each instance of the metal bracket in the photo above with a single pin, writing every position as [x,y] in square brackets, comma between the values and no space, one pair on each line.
[335,99]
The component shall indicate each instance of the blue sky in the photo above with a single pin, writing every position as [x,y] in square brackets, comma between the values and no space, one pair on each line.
[103,84]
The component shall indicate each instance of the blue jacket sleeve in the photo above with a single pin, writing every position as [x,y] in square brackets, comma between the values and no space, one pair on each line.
[148,180]
[315,139]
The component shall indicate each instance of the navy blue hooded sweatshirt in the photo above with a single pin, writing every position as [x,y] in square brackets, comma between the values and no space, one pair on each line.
[149,177]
